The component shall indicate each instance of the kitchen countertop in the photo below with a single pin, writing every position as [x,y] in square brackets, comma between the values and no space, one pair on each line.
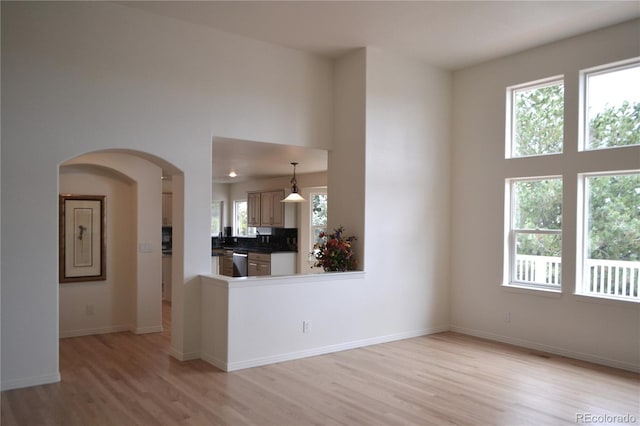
[214,251]
[250,250]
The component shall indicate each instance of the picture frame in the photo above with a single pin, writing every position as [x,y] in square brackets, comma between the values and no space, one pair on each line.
[82,248]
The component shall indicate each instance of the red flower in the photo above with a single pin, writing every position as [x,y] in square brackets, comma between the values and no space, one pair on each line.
[334,252]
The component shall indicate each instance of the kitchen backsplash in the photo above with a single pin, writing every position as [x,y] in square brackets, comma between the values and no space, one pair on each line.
[283,239]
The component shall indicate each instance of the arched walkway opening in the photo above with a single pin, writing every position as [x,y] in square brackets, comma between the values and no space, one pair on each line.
[130,297]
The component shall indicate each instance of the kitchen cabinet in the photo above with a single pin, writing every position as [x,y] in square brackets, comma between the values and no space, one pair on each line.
[227,263]
[166,277]
[259,264]
[167,202]
[253,209]
[271,211]
[265,264]
[265,209]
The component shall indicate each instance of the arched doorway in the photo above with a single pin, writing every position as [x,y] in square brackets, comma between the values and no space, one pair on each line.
[130,298]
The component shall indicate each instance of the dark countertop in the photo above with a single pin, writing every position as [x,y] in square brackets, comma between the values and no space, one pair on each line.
[250,250]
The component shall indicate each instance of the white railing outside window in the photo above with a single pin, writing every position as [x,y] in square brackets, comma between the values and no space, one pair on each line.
[614,278]
[538,269]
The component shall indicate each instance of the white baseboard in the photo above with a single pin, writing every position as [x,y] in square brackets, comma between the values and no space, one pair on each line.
[146,330]
[239,365]
[30,381]
[97,330]
[183,356]
[549,349]
[215,362]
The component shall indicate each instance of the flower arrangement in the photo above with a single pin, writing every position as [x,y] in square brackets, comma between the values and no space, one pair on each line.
[334,252]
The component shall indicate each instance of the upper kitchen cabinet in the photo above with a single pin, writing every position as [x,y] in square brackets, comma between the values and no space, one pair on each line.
[167,216]
[253,209]
[271,211]
[265,209]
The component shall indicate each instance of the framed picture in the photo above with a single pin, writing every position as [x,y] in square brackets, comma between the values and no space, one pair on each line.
[82,238]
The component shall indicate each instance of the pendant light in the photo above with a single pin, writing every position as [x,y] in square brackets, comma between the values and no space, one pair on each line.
[294,197]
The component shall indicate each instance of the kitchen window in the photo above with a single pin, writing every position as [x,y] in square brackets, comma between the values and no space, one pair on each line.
[216,217]
[240,218]
[318,219]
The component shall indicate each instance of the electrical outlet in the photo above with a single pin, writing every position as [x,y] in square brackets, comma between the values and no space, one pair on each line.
[90,309]
[306,326]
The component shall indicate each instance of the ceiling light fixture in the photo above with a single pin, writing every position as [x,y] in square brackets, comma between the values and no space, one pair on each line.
[294,197]
[232,173]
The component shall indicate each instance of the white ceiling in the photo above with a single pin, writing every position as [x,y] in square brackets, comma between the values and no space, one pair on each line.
[254,160]
[448,34]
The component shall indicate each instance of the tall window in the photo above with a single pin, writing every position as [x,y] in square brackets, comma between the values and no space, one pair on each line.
[535,234]
[533,214]
[607,243]
[318,219]
[611,113]
[611,229]
[535,118]
[240,218]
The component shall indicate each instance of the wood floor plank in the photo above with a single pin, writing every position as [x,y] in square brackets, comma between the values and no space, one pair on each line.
[447,378]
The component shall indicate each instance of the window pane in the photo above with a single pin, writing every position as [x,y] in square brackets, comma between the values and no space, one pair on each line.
[534,244]
[318,219]
[240,218]
[538,120]
[216,217]
[536,232]
[316,234]
[612,258]
[538,258]
[613,108]
[319,209]
[614,217]
[538,204]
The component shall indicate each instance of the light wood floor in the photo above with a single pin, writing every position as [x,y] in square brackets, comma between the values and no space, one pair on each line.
[447,378]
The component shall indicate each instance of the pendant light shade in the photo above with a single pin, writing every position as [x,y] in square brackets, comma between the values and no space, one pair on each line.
[294,197]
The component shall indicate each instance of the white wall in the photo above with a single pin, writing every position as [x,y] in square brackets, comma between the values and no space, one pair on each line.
[220,192]
[600,331]
[112,299]
[395,182]
[346,160]
[81,77]
[407,209]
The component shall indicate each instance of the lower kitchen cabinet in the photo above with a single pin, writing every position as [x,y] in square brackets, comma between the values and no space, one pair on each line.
[264,264]
[227,263]
[259,264]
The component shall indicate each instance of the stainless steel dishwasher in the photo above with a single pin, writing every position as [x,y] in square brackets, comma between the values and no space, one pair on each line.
[240,264]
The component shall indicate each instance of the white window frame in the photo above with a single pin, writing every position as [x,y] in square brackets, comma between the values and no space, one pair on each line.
[510,113]
[583,122]
[511,234]
[582,236]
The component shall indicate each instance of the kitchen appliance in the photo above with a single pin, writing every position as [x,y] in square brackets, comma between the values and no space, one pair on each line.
[240,263]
